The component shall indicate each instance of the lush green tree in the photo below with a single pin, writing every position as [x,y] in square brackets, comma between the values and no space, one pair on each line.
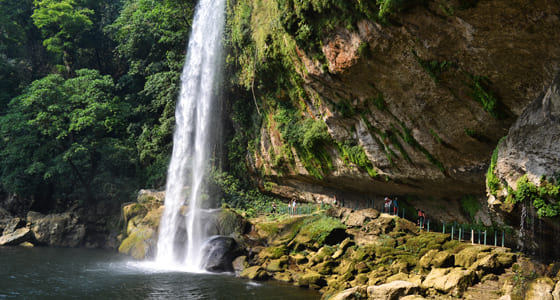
[62,23]
[67,137]
[20,49]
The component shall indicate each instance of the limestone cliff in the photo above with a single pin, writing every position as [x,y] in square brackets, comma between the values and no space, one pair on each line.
[414,103]
[526,172]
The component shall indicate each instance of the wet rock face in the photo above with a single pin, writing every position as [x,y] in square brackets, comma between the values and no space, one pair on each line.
[220,252]
[59,230]
[498,40]
[532,148]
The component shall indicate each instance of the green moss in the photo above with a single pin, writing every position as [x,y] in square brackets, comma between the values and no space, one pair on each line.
[434,68]
[351,152]
[545,197]
[364,253]
[409,139]
[136,244]
[436,136]
[492,181]
[481,92]
[317,228]
[470,205]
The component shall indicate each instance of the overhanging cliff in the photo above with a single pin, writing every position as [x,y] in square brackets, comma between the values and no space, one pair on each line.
[414,101]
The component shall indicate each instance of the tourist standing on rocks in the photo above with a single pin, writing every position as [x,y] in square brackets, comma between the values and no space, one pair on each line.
[420,218]
[273,207]
[387,205]
[395,207]
[290,208]
[334,201]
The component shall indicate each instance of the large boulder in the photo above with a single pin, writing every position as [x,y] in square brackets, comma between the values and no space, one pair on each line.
[13,224]
[556,292]
[469,255]
[59,230]
[140,243]
[230,223]
[361,217]
[453,280]
[220,252]
[17,237]
[393,290]
[254,273]
[540,289]
[349,294]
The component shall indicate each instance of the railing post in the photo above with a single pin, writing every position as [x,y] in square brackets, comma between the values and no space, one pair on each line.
[484,237]
[452,231]
[495,238]
[443,227]
[472,236]
[428,223]
[479,235]
[503,237]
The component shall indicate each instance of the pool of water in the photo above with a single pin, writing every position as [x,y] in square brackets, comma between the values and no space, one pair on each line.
[55,273]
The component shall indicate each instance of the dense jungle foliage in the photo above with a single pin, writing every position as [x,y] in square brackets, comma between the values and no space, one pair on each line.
[87,97]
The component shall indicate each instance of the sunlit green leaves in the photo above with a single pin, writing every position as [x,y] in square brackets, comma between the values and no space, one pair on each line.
[61,21]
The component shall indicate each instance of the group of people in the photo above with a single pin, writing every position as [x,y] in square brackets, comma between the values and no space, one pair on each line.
[391,202]
[387,209]
[291,207]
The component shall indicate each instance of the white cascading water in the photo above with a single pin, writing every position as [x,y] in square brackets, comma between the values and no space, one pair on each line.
[195,128]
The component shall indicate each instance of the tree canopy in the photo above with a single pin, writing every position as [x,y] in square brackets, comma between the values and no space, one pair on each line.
[87,96]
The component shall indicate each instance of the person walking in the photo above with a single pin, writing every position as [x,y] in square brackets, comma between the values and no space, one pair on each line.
[294,211]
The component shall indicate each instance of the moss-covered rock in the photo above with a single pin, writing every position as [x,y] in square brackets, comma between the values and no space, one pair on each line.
[134,210]
[312,280]
[466,257]
[359,292]
[240,263]
[541,289]
[231,223]
[277,265]
[367,252]
[254,273]
[361,217]
[378,276]
[393,290]
[139,244]
[282,276]
[323,254]
[426,260]
[454,281]
[272,253]
[326,267]
[299,258]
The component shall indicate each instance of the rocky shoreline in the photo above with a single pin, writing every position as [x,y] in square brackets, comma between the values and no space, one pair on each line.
[347,254]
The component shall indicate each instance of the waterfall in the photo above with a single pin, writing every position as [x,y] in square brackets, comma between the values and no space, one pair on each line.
[183,226]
